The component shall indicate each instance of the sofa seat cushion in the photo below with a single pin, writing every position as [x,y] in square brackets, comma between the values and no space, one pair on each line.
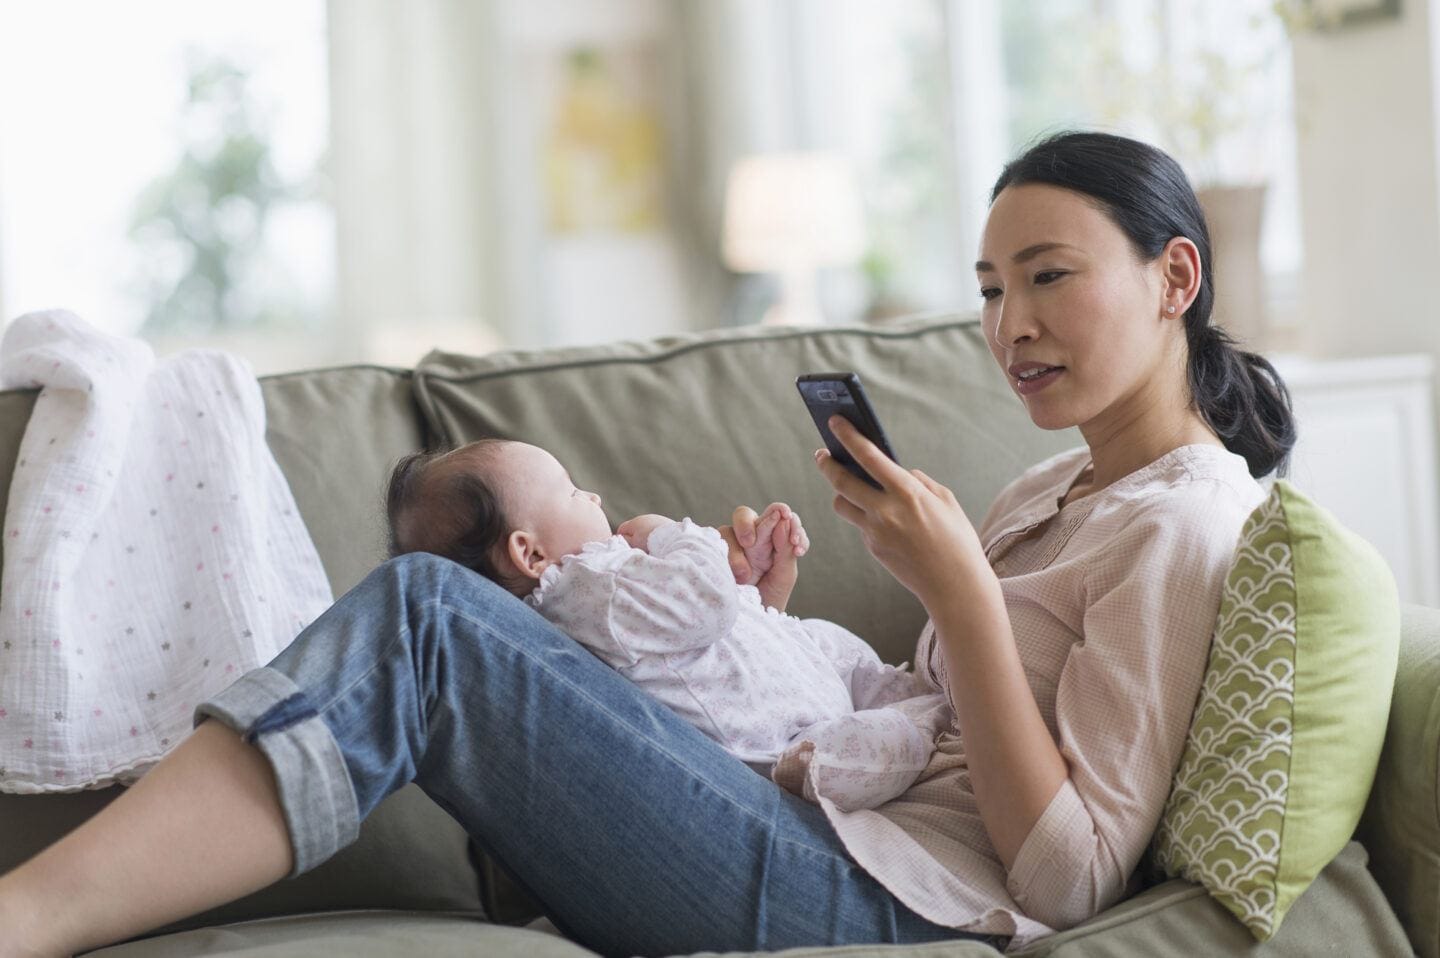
[355,934]
[1343,912]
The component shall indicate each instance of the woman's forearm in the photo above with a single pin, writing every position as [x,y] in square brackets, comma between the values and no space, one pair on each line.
[1015,768]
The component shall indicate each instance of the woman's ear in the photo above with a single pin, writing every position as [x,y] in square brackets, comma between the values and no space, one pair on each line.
[525,554]
[1181,272]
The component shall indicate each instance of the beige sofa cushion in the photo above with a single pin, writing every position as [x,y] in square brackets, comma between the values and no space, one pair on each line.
[1401,825]
[696,424]
[334,433]
[379,934]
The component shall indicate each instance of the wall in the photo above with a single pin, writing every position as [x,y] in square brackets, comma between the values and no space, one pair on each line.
[1365,104]
[1369,161]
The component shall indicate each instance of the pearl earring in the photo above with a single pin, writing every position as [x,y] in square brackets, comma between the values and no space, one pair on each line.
[1169,309]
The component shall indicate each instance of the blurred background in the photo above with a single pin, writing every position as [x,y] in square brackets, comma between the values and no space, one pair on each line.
[309,183]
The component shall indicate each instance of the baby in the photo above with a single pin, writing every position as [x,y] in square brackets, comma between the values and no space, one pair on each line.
[802,700]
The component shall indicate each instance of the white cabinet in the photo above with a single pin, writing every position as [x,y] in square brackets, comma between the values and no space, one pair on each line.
[1366,452]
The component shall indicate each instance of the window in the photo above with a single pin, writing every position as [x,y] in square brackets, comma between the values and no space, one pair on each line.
[162,175]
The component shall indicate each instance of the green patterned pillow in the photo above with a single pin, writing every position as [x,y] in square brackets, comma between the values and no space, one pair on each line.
[1287,732]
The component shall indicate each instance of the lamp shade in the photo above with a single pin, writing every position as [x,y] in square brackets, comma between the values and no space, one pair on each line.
[786,211]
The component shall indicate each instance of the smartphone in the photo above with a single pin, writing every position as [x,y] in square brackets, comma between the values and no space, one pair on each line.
[831,394]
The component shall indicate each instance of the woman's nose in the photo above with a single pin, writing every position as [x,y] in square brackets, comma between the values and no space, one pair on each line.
[1012,325]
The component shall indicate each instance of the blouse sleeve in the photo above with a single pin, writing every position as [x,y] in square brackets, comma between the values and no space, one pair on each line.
[679,596]
[1125,699]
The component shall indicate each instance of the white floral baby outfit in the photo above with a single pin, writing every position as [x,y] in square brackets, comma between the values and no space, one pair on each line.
[803,699]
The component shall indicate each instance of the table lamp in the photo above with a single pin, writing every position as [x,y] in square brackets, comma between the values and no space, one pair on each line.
[792,214]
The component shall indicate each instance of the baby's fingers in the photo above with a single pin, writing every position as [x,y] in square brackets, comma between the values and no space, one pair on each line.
[789,538]
[799,538]
[770,520]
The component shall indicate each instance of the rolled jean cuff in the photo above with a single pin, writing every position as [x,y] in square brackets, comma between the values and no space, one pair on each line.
[317,798]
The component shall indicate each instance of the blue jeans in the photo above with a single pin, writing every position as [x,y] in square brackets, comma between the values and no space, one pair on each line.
[636,833]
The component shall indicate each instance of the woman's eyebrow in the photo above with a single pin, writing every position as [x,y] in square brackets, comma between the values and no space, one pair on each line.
[1028,253]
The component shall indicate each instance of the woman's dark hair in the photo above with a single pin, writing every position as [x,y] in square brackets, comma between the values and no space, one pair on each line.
[458,516]
[1147,195]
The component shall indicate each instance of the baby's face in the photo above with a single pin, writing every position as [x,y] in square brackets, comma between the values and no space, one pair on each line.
[541,499]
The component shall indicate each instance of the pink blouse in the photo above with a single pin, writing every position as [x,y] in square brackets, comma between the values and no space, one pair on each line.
[1112,600]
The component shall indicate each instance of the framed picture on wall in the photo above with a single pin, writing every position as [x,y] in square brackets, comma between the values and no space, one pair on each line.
[1334,14]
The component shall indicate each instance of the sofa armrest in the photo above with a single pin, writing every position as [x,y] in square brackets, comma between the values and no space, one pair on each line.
[1401,825]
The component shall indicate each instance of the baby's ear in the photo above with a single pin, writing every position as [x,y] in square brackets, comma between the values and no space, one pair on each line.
[523,554]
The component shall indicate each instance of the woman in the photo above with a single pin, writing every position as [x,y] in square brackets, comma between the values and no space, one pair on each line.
[1070,632]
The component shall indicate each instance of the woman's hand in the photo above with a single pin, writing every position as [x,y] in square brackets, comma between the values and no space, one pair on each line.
[913,525]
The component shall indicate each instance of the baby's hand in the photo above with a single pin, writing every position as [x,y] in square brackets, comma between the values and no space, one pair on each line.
[776,542]
[764,537]
[637,531]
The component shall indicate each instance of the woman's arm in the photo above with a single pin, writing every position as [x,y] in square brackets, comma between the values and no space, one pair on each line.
[1070,817]
[1015,767]
[915,527]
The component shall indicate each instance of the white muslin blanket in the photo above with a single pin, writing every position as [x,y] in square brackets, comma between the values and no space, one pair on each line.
[152,552]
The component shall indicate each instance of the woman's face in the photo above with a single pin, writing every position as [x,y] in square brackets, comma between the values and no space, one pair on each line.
[1062,287]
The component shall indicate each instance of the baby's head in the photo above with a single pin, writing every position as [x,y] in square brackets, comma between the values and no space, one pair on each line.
[504,509]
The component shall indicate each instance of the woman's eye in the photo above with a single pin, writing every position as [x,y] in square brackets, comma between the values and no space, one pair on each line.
[989,292]
[1049,276]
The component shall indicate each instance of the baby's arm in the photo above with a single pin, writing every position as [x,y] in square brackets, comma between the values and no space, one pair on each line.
[677,596]
[779,582]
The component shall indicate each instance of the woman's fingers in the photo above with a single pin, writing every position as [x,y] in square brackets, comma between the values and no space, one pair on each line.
[743,521]
[842,480]
[937,489]
[847,510]
[739,565]
[881,467]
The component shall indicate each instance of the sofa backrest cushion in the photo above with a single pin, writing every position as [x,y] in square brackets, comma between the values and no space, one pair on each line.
[694,425]
[1401,825]
[335,433]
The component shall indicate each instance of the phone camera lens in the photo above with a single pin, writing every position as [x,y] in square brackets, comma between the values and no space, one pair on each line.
[826,395]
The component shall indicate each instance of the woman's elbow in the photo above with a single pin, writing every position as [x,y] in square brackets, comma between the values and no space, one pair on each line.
[1063,904]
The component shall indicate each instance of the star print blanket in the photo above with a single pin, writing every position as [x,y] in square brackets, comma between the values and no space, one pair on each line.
[152,552]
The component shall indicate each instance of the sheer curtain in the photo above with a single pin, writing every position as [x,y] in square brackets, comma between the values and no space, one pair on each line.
[413,163]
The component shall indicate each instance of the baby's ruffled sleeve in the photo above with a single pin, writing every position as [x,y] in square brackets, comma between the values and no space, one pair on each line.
[679,596]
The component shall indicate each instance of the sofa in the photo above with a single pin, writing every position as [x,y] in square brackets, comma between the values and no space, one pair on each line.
[693,425]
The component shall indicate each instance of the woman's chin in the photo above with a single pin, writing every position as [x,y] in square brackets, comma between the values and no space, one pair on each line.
[1049,419]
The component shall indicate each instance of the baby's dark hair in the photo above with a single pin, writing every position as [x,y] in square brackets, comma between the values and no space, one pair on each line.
[459,516]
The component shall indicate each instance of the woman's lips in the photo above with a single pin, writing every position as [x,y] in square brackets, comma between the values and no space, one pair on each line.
[1028,386]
